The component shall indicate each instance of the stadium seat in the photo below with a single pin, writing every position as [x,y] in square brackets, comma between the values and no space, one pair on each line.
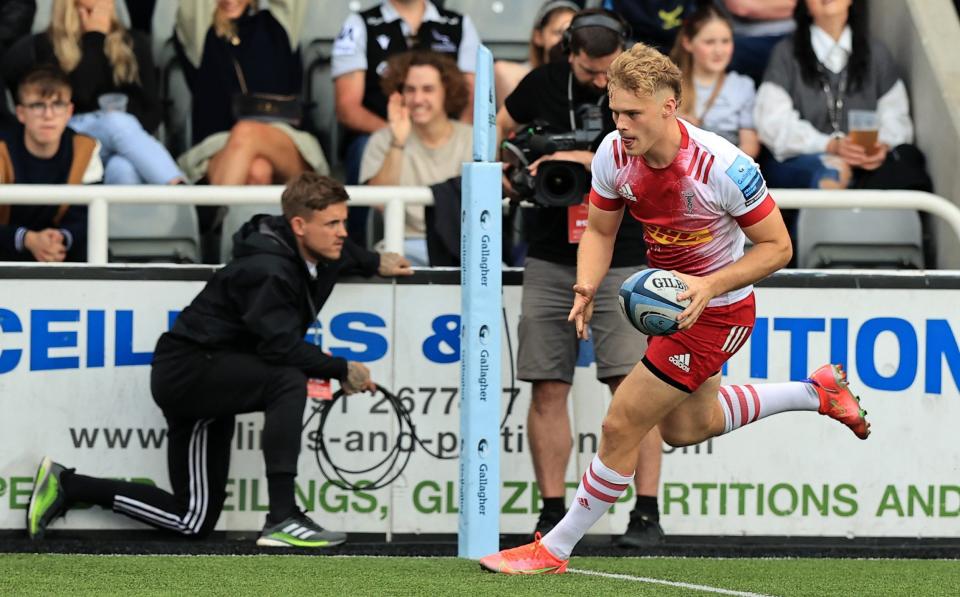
[859,238]
[41,18]
[162,24]
[176,126]
[323,20]
[153,233]
[504,27]
[318,95]
[236,216]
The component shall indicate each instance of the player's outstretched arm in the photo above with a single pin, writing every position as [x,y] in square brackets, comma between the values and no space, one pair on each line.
[771,251]
[593,262]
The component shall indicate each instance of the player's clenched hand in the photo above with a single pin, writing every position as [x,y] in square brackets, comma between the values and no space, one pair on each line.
[582,309]
[699,291]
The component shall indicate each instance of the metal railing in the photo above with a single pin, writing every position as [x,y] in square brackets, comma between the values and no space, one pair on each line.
[99,197]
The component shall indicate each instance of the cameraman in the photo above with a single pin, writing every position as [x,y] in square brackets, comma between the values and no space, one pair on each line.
[556,93]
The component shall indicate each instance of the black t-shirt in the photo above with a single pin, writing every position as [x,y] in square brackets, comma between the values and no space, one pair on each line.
[542,95]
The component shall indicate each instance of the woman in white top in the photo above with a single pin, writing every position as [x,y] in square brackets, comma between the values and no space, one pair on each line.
[829,67]
[713,99]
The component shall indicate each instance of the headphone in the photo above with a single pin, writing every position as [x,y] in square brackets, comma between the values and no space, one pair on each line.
[598,19]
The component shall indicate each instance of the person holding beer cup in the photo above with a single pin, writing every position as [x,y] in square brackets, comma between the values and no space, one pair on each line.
[832,109]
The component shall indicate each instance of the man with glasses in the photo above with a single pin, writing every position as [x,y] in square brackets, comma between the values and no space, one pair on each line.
[548,350]
[42,150]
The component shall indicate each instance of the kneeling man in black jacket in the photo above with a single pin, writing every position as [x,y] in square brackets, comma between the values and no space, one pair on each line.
[239,348]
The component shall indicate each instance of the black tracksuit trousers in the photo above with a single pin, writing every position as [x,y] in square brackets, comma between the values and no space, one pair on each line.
[199,392]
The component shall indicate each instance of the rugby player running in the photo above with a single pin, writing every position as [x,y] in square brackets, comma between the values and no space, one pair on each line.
[697,196]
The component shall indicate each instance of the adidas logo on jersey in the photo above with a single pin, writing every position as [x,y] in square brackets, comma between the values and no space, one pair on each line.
[626,192]
[681,361]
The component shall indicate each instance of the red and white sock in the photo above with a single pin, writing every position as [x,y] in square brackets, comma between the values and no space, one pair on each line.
[599,489]
[748,403]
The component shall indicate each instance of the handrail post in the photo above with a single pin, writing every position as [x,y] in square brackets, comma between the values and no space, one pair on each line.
[97,224]
[393,226]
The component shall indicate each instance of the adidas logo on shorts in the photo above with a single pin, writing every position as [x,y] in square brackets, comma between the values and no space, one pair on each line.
[681,361]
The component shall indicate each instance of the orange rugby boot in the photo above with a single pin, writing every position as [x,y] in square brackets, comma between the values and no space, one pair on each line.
[837,401]
[532,558]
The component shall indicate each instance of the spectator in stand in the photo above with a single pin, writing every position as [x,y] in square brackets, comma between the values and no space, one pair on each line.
[42,150]
[423,143]
[368,39]
[654,22]
[16,17]
[235,54]
[114,87]
[829,67]
[758,26]
[713,99]
[552,20]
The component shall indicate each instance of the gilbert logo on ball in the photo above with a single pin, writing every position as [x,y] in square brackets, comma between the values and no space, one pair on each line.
[649,300]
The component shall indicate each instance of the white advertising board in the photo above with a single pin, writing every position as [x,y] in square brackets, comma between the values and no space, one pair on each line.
[74,384]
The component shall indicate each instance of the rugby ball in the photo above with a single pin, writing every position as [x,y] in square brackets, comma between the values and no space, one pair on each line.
[649,300]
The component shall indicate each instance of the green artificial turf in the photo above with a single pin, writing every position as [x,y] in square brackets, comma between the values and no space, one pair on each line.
[76,575]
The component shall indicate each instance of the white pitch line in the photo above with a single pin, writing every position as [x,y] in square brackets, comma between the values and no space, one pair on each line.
[669,583]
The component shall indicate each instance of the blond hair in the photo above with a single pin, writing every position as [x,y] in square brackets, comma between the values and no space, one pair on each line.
[65,32]
[644,71]
[225,27]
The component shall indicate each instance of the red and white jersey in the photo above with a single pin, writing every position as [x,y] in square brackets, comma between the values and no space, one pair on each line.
[693,210]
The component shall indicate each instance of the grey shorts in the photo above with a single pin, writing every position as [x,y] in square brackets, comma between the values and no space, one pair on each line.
[548,342]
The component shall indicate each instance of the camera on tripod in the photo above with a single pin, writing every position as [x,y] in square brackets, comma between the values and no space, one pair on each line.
[558,183]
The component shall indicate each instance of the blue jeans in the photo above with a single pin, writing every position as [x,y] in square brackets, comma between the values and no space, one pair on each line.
[130,154]
[801,172]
